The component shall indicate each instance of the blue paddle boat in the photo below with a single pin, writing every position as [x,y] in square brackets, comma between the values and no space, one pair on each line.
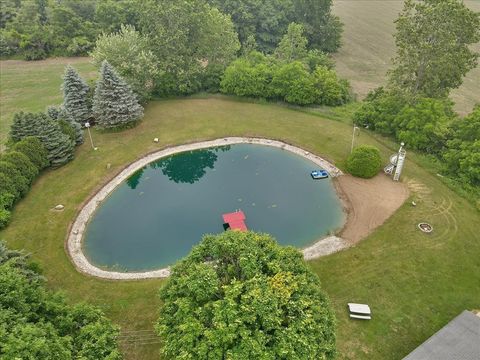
[319,174]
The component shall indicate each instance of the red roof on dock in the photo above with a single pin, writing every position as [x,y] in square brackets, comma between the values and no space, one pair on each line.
[235,220]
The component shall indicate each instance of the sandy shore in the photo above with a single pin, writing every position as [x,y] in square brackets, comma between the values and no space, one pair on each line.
[368,203]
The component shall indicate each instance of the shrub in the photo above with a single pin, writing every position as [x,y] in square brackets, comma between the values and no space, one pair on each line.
[240,295]
[423,125]
[293,84]
[59,146]
[7,188]
[364,162]
[4,218]
[32,147]
[22,163]
[330,90]
[20,182]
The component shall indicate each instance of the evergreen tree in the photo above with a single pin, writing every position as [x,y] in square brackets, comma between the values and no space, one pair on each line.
[75,96]
[114,103]
[59,146]
[58,113]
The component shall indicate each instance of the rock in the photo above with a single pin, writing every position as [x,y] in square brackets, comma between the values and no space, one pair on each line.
[59,207]
[155,140]
[109,166]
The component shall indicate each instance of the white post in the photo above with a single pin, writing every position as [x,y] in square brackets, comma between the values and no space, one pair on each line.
[353,137]
[87,125]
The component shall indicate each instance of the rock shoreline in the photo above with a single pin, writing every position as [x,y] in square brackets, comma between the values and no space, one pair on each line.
[322,247]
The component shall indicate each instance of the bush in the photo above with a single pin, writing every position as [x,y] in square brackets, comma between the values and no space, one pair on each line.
[22,163]
[21,183]
[331,91]
[32,147]
[240,295]
[293,84]
[364,162]
[4,218]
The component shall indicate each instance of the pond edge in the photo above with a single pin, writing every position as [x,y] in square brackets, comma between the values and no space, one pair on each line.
[322,247]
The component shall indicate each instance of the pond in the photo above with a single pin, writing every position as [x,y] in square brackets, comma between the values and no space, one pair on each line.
[155,217]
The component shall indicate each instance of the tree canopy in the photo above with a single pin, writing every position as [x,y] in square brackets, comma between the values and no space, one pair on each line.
[239,295]
[433,53]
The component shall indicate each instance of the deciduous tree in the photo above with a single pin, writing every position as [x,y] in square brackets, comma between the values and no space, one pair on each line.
[433,41]
[240,295]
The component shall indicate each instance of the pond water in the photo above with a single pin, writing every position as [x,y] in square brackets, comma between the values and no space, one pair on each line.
[157,215]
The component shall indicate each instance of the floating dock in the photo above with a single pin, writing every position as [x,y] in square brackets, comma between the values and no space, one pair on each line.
[235,220]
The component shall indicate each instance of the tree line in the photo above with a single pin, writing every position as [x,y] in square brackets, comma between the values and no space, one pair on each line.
[36,29]
[414,107]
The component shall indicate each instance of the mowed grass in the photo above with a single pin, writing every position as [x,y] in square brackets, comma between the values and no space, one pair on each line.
[368,47]
[31,86]
[415,283]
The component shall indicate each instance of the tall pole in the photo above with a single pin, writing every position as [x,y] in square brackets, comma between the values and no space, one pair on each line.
[87,125]
[353,137]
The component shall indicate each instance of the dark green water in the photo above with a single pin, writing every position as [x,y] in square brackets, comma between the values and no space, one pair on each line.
[160,212]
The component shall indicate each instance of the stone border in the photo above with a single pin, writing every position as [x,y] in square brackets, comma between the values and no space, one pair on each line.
[74,241]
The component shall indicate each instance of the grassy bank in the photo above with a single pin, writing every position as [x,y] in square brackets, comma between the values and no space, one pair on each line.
[414,283]
[32,85]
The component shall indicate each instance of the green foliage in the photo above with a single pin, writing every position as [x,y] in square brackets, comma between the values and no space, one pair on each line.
[249,76]
[267,21]
[114,103]
[422,125]
[462,156]
[293,84]
[379,110]
[32,147]
[331,90]
[5,216]
[433,53]
[239,295]
[20,182]
[22,163]
[322,29]
[8,190]
[59,146]
[69,127]
[36,324]
[364,161]
[172,28]
[293,45]
[129,53]
[75,97]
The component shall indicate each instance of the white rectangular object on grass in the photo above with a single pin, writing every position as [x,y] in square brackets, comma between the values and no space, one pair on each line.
[359,308]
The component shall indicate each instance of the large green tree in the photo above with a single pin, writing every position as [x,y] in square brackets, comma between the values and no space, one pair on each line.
[114,103]
[462,156]
[60,147]
[187,37]
[75,96]
[293,45]
[239,295]
[433,53]
[37,324]
[129,53]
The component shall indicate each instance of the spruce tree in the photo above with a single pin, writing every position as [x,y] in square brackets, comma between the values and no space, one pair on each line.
[59,145]
[58,113]
[75,96]
[114,103]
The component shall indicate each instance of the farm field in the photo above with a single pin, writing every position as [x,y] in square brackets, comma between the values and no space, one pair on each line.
[368,47]
[415,283]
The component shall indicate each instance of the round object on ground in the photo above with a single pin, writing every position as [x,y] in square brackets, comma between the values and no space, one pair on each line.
[59,207]
[425,227]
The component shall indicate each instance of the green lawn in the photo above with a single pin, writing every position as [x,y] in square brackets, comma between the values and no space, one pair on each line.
[368,47]
[31,86]
[414,283]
